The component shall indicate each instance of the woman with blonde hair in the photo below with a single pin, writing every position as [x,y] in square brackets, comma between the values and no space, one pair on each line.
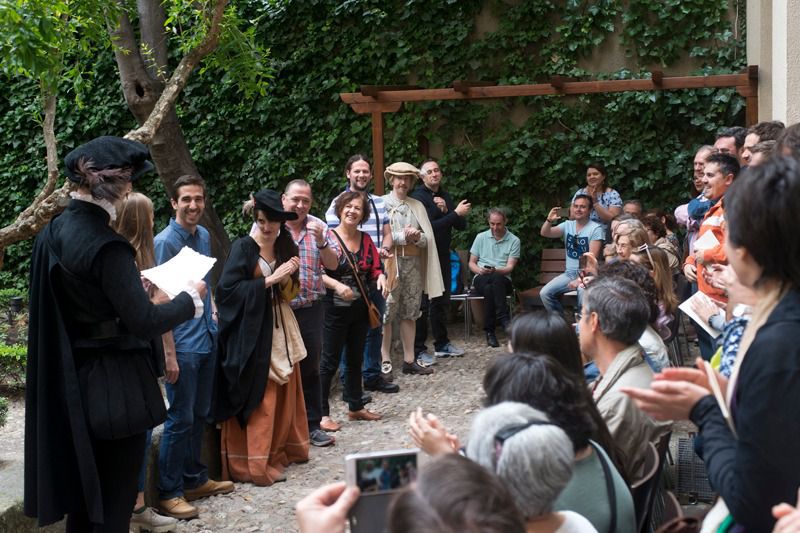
[135,222]
[655,260]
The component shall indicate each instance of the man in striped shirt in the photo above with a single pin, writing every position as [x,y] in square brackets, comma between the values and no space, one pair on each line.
[359,176]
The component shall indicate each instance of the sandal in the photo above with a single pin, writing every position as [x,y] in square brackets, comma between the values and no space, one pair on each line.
[386,367]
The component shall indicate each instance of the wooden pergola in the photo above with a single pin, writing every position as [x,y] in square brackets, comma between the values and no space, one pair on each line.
[379,99]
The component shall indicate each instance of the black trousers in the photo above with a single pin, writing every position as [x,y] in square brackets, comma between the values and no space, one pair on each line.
[345,327]
[118,462]
[435,310]
[494,288]
[310,321]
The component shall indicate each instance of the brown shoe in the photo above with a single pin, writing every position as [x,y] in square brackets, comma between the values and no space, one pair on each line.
[363,414]
[209,488]
[178,508]
[327,424]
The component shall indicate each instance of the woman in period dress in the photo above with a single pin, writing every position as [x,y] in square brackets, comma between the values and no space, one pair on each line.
[258,394]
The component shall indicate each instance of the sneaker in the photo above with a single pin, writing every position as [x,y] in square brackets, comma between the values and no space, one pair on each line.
[149,520]
[178,508]
[209,488]
[425,359]
[448,350]
[415,368]
[320,439]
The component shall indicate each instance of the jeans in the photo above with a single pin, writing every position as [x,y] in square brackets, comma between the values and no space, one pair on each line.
[189,399]
[148,439]
[494,288]
[371,367]
[310,320]
[345,332]
[556,287]
[436,309]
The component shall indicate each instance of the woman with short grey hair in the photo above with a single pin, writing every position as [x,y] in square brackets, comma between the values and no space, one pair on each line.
[533,457]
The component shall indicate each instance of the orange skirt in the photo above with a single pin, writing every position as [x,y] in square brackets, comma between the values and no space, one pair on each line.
[275,436]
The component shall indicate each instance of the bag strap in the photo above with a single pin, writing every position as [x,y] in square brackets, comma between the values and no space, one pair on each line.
[353,267]
[378,225]
[612,493]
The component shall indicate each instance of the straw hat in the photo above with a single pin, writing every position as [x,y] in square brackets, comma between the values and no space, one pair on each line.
[401,169]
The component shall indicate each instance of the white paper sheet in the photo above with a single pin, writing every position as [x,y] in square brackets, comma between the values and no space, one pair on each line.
[173,276]
[686,307]
[706,242]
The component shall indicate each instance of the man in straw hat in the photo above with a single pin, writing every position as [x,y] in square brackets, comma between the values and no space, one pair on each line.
[412,269]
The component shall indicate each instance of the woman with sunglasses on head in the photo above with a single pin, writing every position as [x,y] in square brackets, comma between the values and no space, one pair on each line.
[258,394]
[752,432]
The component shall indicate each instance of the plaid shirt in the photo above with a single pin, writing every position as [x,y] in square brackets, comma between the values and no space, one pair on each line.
[311,268]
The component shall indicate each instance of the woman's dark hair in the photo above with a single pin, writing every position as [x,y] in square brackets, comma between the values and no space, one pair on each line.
[541,331]
[654,224]
[455,495]
[538,380]
[347,197]
[761,210]
[353,159]
[668,218]
[640,276]
[285,247]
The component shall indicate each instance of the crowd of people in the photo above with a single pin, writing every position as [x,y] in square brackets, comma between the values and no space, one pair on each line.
[571,411]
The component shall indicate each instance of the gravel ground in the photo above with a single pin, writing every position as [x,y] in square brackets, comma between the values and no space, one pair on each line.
[453,392]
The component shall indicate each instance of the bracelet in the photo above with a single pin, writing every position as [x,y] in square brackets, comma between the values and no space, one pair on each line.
[324,245]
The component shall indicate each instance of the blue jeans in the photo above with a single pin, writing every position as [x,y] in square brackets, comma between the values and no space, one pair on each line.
[143,472]
[371,367]
[556,287]
[189,399]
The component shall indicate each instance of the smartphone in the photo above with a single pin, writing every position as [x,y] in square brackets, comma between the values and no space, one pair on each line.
[563,212]
[379,475]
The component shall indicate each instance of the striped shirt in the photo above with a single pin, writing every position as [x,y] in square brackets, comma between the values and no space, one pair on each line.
[371,227]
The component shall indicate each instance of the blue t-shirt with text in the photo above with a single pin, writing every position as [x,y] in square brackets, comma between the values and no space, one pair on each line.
[577,242]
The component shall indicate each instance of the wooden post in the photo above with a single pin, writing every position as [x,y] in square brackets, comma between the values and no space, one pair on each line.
[377,151]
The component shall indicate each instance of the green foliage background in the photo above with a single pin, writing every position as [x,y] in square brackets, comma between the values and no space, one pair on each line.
[319,48]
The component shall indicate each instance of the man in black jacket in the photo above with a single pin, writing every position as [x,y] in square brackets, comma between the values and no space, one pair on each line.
[444,216]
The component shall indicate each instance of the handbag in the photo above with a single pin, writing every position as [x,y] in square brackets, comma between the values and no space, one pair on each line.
[374,316]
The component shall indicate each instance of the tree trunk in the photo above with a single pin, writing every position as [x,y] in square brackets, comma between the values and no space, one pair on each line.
[142,90]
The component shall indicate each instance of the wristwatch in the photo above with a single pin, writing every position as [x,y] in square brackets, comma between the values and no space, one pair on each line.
[324,245]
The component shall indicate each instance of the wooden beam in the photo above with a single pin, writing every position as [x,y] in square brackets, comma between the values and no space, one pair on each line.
[543,89]
[463,86]
[371,107]
[377,151]
[558,82]
[657,76]
[751,96]
[374,90]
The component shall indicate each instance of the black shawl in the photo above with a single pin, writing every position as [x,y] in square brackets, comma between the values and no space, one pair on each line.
[245,335]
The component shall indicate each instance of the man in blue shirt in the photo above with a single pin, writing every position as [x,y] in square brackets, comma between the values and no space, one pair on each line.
[182,475]
[580,235]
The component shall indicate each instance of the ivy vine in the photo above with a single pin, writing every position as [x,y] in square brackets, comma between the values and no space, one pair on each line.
[299,128]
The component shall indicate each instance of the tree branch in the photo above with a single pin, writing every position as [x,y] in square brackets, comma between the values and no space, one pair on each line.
[180,77]
[49,202]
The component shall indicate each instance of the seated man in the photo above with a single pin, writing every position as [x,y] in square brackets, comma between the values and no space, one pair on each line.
[613,317]
[580,235]
[492,258]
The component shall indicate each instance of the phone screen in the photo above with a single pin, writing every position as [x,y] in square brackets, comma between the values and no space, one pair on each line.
[383,474]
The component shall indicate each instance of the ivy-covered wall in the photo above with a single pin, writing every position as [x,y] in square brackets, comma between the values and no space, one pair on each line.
[301,129]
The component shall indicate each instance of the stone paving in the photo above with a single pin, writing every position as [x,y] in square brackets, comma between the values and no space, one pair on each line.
[453,392]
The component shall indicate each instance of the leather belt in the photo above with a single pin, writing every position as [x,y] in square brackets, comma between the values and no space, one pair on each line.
[407,250]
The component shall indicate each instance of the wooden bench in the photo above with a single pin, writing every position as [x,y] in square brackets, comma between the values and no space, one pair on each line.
[553,264]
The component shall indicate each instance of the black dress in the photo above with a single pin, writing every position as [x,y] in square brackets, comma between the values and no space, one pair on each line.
[86,301]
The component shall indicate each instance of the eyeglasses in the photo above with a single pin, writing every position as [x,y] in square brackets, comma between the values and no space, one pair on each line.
[507,432]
